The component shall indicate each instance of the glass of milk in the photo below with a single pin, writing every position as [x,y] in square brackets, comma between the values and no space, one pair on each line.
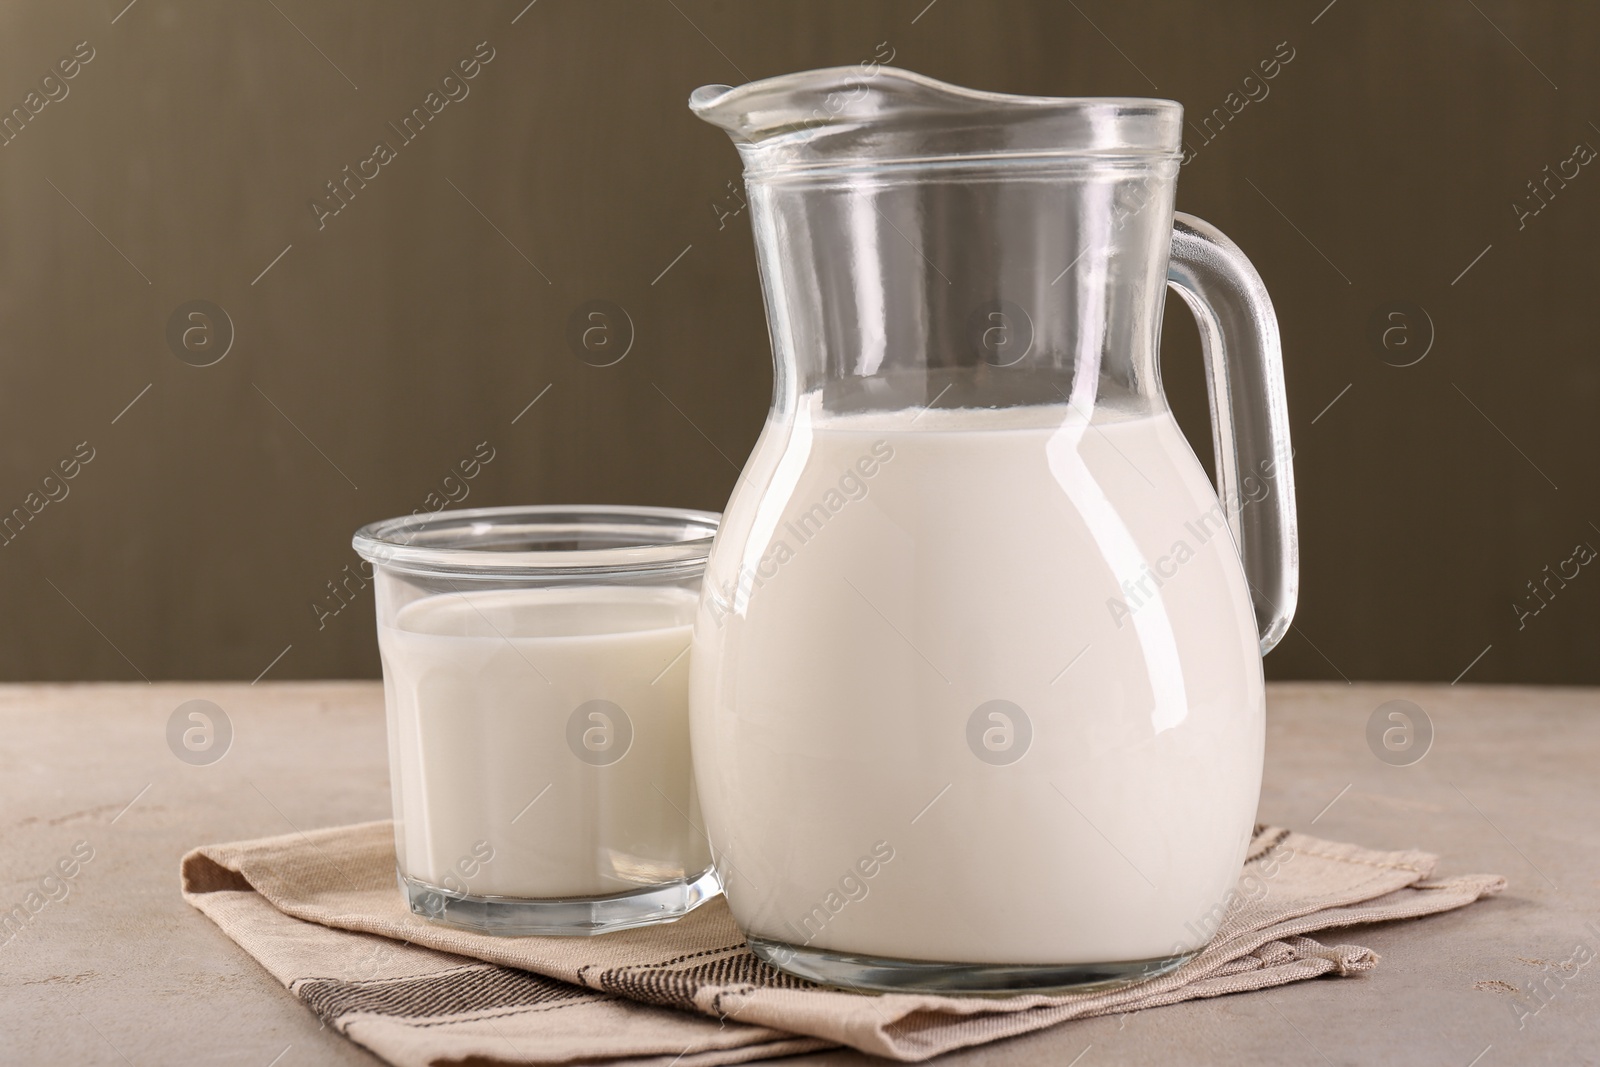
[535,666]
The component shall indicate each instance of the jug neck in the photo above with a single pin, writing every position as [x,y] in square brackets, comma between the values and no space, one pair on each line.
[922,244]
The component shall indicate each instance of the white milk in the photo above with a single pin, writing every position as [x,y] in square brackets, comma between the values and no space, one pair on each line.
[482,688]
[874,582]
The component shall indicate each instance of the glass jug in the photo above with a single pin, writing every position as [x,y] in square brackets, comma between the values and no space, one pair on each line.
[976,692]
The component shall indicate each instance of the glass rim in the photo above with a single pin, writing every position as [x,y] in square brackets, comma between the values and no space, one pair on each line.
[666,542]
[887,117]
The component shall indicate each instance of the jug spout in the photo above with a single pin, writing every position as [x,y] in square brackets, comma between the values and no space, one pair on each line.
[871,112]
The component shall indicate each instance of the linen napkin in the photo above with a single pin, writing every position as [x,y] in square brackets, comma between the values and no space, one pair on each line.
[322,913]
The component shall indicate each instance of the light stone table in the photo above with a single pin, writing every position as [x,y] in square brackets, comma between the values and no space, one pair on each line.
[122,971]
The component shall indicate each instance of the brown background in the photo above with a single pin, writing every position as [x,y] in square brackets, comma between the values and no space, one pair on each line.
[381,349]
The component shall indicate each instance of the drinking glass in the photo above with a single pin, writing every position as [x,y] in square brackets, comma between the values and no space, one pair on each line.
[535,680]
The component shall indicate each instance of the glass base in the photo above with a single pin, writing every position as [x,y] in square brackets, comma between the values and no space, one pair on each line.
[566,917]
[882,975]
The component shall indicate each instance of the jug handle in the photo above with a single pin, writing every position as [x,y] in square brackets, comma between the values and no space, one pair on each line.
[1249,413]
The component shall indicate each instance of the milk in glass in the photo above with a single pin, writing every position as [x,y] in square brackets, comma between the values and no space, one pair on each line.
[548,729]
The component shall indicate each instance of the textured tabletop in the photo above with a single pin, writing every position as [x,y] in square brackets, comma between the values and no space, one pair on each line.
[117,969]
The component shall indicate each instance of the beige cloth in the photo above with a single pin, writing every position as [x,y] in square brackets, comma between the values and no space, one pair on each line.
[321,912]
